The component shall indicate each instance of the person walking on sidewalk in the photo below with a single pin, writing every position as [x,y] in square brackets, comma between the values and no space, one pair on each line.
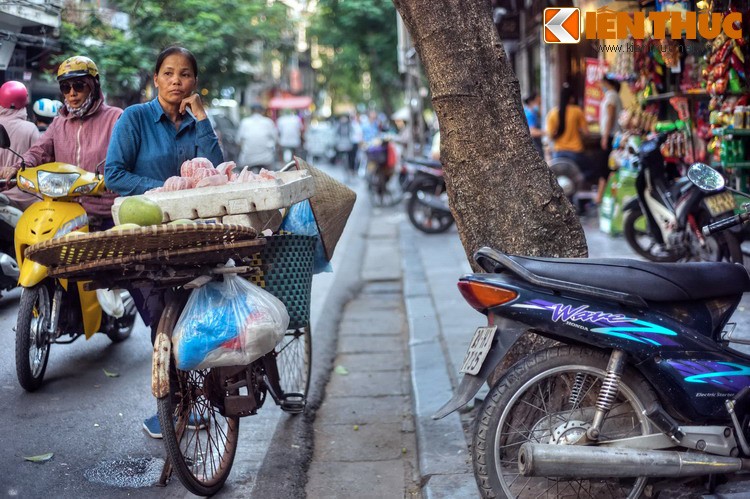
[290,135]
[258,137]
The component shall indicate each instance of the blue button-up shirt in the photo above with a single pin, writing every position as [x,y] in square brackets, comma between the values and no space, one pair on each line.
[145,148]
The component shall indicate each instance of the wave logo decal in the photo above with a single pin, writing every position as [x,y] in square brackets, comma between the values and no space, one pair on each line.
[729,374]
[617,325]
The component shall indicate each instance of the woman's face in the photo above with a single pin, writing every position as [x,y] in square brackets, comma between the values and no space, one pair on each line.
[175,80]
[75,92]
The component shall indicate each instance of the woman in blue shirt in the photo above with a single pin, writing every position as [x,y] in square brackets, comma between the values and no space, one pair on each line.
[149,144]
[150,141]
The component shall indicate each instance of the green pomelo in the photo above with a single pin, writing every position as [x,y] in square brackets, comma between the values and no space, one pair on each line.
[120,227]
[182,221]
[140,210]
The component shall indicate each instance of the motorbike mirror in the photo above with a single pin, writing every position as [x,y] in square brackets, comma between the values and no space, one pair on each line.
[4,138]
[706,178]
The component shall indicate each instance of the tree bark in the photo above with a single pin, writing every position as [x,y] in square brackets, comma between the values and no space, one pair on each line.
[501,191]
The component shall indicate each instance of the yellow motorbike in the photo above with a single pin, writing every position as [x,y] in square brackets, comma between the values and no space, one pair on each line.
[54,310]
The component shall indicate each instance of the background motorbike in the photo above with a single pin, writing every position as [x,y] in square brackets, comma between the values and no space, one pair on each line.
[9,272]
[663,223]
[383,188]
[428,199]
[643,389]
[53,309]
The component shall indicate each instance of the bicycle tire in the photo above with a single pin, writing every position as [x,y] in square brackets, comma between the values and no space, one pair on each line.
[294,364]
[174,411]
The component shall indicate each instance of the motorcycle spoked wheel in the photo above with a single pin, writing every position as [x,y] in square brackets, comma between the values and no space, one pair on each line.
[425,218]
[638,236]
[32,339]
[534,401]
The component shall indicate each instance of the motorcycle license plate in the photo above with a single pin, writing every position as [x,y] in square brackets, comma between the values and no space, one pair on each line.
[720,203]
[478,349]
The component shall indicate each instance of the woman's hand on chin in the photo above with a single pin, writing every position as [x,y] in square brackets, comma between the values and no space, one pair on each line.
[195,104]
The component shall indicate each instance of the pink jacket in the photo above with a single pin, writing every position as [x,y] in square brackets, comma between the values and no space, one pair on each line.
[22,134]
[82,142]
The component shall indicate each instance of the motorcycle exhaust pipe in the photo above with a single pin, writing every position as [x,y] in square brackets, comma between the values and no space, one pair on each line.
[432,201]
[573,461]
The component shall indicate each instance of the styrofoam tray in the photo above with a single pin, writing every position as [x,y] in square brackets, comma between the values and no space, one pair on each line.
[231,199]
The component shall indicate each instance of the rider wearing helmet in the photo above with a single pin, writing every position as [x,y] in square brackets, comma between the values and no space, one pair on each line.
[80,135]
[45,111]
[22,133]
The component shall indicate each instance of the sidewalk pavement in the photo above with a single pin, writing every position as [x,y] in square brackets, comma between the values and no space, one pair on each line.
[401,343]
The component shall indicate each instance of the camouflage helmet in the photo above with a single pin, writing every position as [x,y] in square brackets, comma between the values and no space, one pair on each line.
[76,67]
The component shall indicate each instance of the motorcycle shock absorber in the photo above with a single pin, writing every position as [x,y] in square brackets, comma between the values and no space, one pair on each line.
[581,386]
[607,392]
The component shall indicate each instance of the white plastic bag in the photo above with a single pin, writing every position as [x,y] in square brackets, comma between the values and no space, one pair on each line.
[111,302]
[228,323]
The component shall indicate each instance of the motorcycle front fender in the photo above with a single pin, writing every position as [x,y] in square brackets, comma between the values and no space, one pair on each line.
[631,205]
[507,334]
[31,273]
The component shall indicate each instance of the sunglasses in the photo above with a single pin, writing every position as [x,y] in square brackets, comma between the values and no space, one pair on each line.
[78,86]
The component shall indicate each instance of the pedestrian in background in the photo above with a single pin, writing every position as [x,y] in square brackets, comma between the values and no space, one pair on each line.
[566,126]
[290,135]
[609,112]
[257,135]
[346,147]
[13,116]
[534,119]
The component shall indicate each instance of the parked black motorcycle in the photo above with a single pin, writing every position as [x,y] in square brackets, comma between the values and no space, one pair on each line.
[643,388]
[663,223]
[428,202]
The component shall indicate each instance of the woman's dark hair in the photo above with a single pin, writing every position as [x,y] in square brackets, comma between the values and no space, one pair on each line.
[176,50]
[530,98]
[565,94]
[614,83]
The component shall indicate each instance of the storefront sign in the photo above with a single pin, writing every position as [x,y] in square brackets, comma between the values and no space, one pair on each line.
[593,95]
[563,25]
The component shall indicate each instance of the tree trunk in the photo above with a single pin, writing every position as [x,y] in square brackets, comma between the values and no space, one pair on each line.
[501,191]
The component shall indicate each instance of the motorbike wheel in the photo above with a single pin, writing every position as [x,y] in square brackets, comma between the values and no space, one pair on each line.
[32,342]
[425,218]
[202,458]
[119,329]
[294,363]
[639,238]
[550,397]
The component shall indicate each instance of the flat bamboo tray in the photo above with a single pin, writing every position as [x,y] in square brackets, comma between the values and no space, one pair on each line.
[170,254]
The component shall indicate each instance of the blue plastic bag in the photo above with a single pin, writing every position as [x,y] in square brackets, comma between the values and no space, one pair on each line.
[301,221]
[228,323]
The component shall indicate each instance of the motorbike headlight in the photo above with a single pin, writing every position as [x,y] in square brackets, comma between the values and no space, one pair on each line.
[26,184]
[56,185]
[85,189]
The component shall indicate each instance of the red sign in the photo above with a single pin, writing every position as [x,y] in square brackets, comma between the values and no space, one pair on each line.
[593,95]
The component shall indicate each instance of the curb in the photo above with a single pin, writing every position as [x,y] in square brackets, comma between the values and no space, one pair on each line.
[444,460]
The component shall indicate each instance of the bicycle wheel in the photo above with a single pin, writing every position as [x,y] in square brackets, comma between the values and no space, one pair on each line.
[202,457]
[294,363]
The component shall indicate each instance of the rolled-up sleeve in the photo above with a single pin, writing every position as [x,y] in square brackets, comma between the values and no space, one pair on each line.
[121,158]
[207,142]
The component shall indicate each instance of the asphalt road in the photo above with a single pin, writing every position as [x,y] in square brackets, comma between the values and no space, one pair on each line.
[92,422]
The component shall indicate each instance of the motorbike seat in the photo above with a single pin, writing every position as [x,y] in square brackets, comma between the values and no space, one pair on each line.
[431,163]
[659,282]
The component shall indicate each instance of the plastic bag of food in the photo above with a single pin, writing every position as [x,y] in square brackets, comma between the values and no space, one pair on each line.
[228,323]
[301,221]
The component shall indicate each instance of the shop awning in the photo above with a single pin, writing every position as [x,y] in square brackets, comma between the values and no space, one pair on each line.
[295,102]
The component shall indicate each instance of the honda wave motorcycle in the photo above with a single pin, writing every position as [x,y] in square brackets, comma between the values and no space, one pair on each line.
[643,389]
[53,310]
[662,223]
[428,202]
[9,216]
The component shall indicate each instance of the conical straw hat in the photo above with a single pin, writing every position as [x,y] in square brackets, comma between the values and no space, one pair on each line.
[331,205]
